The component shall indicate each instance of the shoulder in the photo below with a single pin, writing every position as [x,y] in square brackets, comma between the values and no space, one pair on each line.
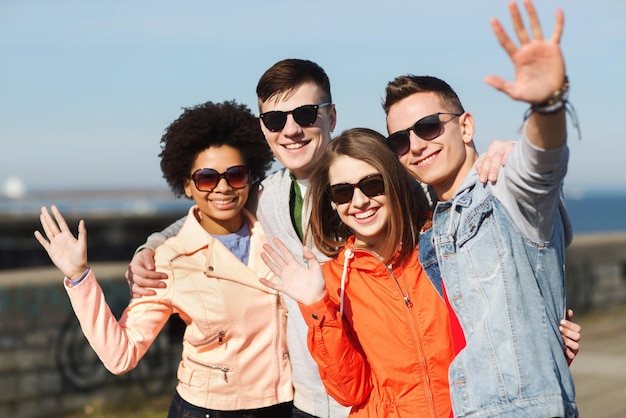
[275,179]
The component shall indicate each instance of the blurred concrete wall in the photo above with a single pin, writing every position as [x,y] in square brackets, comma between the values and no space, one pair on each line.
[596,272]
[48,369]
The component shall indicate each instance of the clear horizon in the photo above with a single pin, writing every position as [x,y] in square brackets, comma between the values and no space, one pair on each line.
[88,88]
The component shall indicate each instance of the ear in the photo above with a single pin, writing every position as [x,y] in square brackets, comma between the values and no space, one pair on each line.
[333,117]
[333,205]
[187,186]
[467,127]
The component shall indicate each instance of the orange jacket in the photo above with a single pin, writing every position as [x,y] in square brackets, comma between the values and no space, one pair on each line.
[386,356]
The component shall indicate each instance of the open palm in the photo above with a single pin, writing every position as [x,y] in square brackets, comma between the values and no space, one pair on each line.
[303,284]
[66,252]
[538,62]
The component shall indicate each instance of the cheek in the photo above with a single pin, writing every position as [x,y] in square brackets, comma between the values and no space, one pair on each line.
[404,160]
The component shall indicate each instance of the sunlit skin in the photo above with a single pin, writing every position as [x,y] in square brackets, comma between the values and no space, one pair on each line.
[366,216]
[297,147]
[219,210]
[444,161]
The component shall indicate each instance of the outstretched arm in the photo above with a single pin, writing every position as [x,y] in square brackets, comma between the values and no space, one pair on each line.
[120,345]
[539,74]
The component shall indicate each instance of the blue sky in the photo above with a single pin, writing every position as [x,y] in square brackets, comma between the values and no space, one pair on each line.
[87,88]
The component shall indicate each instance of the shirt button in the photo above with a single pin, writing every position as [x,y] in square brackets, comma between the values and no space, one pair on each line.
[314,316]
[211,268]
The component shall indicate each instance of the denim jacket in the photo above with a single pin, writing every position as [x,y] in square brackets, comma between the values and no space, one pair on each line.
[508,291]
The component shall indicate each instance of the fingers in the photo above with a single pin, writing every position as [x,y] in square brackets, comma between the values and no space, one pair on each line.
[504,40]
[533,19]
[59,219]
[49,226]
[145,260]
[272,285]
[489,164]
[518,24]
[268,258]
[44,242]
[571,333]
[143,289]
[141,275]
[558,27]
[310,257]
[285,253]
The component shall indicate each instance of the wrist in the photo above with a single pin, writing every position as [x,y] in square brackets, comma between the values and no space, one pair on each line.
[79,274]
[556,102]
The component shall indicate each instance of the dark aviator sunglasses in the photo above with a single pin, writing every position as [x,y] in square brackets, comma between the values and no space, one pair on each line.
[306,115]
[428,128]
[207,179]
[371,186]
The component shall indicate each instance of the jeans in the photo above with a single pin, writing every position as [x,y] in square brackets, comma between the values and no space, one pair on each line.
[183,409]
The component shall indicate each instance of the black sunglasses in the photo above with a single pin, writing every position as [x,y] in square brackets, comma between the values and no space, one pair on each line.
[428,128]
[207,179]
[306,115]
[371,186]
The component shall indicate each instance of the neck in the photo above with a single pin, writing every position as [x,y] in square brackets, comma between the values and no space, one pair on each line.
[220,226]
[446,188]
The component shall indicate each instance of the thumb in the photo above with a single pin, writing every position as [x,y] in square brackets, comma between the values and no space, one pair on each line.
[309,256]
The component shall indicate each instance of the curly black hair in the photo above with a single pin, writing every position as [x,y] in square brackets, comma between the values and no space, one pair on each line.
[212,124]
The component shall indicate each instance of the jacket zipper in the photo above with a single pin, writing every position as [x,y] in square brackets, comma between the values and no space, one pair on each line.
[418,341]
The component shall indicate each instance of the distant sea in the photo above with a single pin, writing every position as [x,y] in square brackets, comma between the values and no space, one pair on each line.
[589,214]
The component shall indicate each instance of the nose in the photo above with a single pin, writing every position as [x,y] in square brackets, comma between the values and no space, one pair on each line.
[222,185]
[416,144]
[291,127]
[359,199]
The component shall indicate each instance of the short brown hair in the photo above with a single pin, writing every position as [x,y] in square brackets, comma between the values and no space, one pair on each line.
[286,75]
[402,191]
[407,85]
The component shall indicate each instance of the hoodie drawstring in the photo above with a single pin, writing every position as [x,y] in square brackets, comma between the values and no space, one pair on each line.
[348,254]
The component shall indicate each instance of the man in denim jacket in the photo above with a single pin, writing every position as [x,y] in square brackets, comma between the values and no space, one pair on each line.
[499,247]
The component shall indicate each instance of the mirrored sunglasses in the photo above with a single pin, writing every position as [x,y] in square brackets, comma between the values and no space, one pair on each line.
[306,115]
[371,186]
[207,179]
[428,128]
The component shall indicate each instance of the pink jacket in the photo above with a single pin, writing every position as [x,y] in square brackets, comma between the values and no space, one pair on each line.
[234,351]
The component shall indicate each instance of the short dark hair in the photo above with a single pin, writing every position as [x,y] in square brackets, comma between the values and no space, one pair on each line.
[286,75]
[404,86]
[407,202]
[212,125]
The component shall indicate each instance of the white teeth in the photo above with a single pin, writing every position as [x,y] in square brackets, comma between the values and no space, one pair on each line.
[364,215]
[294,145]
[425,160]
[223,202]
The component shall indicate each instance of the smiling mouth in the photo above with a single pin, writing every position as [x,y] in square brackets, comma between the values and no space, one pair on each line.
[366,214]
[427,159]
[296,145]
[224,202]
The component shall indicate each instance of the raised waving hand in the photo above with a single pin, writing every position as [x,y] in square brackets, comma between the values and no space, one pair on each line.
[66,252]
[305,285]
[538,62]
